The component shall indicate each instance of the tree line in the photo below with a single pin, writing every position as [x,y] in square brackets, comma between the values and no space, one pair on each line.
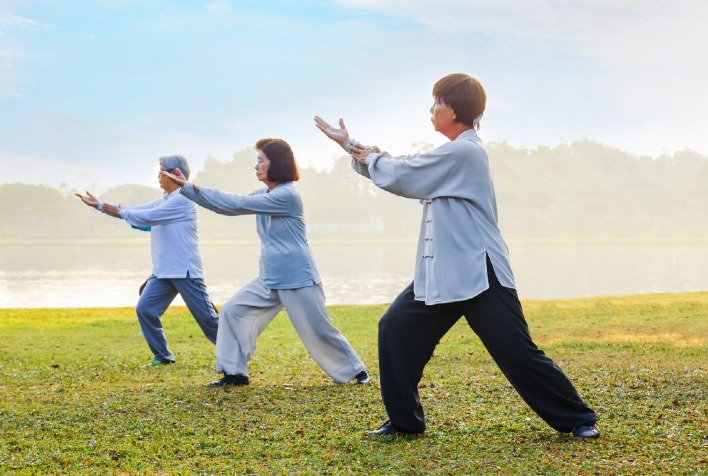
[582,190]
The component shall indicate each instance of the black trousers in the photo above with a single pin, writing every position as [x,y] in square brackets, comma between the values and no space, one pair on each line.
[410,330]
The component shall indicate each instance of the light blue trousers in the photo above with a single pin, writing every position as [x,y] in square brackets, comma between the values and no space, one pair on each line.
[156,298]
[251,309]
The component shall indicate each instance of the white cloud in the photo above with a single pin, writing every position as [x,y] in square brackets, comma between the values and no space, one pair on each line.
[10,21]
[12,53]
[644,61]
[219,7]
[611,71]
[616,32]
[122,4]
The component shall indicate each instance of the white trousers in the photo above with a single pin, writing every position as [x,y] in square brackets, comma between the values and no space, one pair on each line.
[250,310]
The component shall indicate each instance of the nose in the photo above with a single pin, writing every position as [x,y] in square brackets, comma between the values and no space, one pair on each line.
[431,108]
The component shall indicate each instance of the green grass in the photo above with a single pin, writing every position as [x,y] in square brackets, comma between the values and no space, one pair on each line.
[75,400]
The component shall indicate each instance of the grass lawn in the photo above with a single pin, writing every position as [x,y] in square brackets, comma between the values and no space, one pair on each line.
[74,398]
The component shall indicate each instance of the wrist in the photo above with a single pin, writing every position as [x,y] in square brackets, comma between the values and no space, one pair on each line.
[350,145]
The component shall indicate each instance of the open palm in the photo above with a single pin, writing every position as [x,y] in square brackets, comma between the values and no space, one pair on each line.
[88,199]
[340,136]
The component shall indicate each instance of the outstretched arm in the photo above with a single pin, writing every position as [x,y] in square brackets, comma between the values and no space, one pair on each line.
[107,208]
[341,136]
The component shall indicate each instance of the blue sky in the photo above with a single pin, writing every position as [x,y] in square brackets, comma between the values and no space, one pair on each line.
[92,92]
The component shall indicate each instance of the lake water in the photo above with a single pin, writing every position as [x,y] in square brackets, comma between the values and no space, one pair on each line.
[80,275]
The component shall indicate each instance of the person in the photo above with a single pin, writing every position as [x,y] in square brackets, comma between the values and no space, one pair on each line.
[176,261]
[462,269]
[288,277]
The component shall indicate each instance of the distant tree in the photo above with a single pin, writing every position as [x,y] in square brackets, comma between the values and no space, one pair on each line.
[237,175]
[33,211]
[578,190]
[130,194]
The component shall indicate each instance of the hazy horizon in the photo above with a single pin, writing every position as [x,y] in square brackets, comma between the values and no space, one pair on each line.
[91,93]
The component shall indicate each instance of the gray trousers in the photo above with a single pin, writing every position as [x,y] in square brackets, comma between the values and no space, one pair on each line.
[251,309]
[156,297]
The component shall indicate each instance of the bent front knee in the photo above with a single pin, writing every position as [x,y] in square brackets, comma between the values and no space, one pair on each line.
[146,312]
[390,327]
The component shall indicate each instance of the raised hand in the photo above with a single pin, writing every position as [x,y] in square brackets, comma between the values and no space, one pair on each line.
[176,176]
[88,199]
[340,136]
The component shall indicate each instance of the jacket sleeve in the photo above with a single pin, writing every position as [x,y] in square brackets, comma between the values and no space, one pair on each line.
[164,212]
[455,169]
[362,170]
[277,202]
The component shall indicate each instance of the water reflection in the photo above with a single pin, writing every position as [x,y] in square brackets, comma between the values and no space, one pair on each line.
[109,275]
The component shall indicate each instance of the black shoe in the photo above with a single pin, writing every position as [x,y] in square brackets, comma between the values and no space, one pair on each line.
[587,430]
[387,429]
[230,380]
[362,378]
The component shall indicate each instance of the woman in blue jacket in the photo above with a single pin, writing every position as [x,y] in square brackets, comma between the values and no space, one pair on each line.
[288,277]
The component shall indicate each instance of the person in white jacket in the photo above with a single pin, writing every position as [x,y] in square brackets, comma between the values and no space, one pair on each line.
[177,266]
[288,277]
[461,269]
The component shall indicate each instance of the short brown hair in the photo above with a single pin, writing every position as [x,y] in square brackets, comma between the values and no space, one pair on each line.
[283,167]
[464,94]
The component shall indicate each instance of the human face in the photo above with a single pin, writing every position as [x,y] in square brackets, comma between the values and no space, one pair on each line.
[262,166]
[166,184]
[442,116]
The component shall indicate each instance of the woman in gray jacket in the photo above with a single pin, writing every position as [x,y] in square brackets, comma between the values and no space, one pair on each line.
[461,269]
[288,276]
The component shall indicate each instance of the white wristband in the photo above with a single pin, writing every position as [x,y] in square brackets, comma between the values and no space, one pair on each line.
[351,143]
[99,207]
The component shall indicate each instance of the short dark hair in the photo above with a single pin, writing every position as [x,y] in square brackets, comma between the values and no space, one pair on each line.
[283,167]
[464,94]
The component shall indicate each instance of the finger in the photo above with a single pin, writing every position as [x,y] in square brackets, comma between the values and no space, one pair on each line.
[321,123]
[341,124]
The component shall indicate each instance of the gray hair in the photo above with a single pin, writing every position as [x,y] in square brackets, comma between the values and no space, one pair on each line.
[171,162]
